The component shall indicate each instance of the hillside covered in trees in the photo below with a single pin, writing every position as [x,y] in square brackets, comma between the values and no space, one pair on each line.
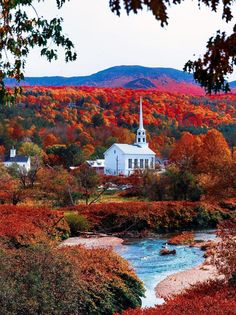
[94,118]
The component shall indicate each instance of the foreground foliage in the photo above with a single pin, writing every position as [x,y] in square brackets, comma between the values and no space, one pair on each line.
[225,257]
[204,299]
[66,281]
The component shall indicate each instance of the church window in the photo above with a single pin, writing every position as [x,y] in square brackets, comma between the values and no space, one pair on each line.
[152,163]
[143,139]
[143,132]
[139,133]
[135,163]
[141,163]
[139,139]
[146,163]
[130,163]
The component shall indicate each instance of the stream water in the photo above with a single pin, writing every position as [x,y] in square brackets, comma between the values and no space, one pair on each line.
[152,268]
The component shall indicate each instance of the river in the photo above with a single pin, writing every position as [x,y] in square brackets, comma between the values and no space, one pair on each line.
[152,268]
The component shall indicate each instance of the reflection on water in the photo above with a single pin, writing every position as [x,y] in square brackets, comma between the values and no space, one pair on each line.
[153,268]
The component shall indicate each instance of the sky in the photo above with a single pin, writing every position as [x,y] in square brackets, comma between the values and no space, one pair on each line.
[103,40]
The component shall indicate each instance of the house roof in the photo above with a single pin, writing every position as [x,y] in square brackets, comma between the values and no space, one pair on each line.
[17,159]
[96,163]
[132,149]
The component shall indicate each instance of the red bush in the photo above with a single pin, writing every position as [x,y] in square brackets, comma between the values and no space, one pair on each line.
[20,226]
[205,299]
[157,216]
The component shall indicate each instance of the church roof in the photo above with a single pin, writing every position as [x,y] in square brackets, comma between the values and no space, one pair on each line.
[133,149]
[17,159]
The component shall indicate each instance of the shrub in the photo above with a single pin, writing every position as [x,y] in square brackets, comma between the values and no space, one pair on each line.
[76,223]
[162,216]
[24,226]
[67,281]
[229,204]
[185,238]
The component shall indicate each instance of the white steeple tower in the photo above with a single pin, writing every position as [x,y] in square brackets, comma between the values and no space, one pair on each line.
[141,132]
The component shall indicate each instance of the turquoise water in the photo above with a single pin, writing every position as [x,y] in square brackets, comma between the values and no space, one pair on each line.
[152,268]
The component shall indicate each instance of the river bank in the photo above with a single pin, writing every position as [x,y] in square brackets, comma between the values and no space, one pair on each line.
[102,242]
[178,282]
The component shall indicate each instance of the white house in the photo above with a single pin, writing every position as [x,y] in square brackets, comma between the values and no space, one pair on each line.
[123,159]
[22,161]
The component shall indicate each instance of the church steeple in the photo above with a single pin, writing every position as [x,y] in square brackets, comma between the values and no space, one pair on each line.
[141,132]
[141,114]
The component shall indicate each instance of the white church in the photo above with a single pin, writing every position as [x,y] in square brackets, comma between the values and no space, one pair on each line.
[123,159]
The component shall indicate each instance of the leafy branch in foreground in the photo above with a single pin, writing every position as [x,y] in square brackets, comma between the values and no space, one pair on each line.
[218,61]
[211,70]
[21,29]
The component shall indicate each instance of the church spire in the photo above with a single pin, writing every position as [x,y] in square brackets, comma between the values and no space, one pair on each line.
[141,114]
[141,132]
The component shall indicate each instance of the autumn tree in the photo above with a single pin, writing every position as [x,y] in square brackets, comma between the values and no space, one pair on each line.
[88,181]
[186,152]
[57,184]
[215,165]
[215,153]
[11,188]
[97,120]
[208,159]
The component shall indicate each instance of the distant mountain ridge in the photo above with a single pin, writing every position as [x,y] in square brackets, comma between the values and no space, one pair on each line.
[134,77]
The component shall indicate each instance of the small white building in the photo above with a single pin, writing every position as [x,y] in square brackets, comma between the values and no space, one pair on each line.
[97,165]
[123,159]
[22,161]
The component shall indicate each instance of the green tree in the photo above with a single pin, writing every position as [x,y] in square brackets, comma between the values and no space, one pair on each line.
[97,120]
[31,149]
[98,152]
[183,185]
[88,182]
[72,155]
